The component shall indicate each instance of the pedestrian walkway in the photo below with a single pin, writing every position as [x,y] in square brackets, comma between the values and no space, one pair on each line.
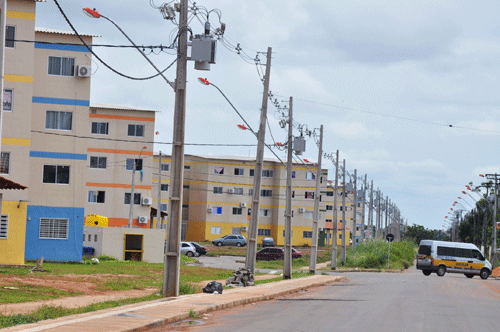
[159,312]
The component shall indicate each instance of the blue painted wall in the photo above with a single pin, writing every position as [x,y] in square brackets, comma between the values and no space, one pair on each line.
[57,249]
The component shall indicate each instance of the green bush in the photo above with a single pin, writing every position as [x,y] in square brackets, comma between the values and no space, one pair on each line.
[373,255]
[106,258]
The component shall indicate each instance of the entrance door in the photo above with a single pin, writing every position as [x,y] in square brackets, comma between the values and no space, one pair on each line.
[134,247]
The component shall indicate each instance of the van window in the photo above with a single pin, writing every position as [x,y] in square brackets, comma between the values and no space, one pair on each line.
[477,255]
[445,251]
[465,253]
[424,250]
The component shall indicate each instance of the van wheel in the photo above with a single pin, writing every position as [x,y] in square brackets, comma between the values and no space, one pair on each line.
[484,274]
[468,275]
[426,272]
[441,270]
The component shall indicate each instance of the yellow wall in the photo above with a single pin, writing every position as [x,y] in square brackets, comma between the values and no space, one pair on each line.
[12,248]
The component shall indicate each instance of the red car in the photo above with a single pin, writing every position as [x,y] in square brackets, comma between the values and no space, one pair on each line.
[296,253]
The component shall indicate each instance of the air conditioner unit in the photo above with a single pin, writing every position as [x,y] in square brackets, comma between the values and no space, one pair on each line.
[230,191]
[244,228]
[143,220]
[83,71]
[301,210]
[146,201]
[243,204]
[209,210]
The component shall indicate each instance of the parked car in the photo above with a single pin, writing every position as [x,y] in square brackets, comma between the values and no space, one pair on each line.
[268,242]
[201,250]
[230,240]
[296,253]
[270,254]
[188,249]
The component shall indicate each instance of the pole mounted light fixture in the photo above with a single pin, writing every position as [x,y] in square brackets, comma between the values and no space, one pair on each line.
[91,12]
[203,81]
[481,175]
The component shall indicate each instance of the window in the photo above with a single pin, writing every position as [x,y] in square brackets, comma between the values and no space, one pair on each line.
[264,232]
[4,226]
[216,230]
[98,162]
[250,192]
[445,251]
[267,173]
[293,174]
[90,237]
[136,130]
[310,176]
[96,196]
[187,167]
[130,164]
[164,167]
[265,212]
[308,214]
[61,66]
[164,187]
[307,234]
[58,120]
[137,198]
[10,35]
[185,186]
[266,193]
[329,208]
[163,207]
[252,172]
[95,237]
[217,190]
[83,237]
[236,230]
[185,206]
[237,210]
[4,163]
[53,229]
[55,174]
[424,250]
[329,193]
[219,170]
[239,171]
[238,191]
[7,100]
[100,128]
[293,193]
[309,195]
[217,210]
[284,233]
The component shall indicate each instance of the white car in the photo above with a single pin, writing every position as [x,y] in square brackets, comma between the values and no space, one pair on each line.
[188,249]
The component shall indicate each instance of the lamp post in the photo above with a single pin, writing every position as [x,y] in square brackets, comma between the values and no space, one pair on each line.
[131,210]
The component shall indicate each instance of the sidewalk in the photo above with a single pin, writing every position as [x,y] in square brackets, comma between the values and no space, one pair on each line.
[135,317]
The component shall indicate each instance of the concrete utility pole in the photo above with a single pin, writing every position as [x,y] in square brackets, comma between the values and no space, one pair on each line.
[333,265]
[386,228]
[344,194]
[355,211]
[363,211]
[496,178]
[314,240]
[131,208]
[287,263]
[3,25]
[171,267]
[379,195]
[158,206]
[254,216]
[370,211]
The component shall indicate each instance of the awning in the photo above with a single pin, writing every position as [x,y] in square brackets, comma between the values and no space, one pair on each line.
[8,184]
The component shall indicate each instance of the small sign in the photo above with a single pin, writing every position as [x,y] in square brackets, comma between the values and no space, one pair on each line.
[389,237]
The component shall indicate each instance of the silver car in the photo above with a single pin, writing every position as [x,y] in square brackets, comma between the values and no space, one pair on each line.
[188,249]
[230,240]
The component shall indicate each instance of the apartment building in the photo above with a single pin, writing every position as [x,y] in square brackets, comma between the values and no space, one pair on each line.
[218,198]
[120,137]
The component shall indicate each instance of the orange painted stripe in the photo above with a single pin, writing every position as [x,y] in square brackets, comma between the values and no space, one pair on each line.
[121,117]
[117,185]
[132,152]
[119,222]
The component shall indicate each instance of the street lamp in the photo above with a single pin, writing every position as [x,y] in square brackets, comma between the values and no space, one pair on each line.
[131,211]
[95,14]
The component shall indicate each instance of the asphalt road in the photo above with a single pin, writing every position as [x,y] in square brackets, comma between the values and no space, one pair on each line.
[406,301]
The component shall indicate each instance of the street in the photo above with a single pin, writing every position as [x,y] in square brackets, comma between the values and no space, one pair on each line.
[406,301]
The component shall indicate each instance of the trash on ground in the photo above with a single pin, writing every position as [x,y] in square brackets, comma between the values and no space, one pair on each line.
[213,287]
[243,277]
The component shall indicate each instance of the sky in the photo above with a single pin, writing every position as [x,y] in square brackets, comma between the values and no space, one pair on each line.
[407,91]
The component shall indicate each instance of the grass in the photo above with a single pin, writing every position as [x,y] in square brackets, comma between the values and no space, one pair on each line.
[18,292]
[227,251]
[373,255]
[323,256]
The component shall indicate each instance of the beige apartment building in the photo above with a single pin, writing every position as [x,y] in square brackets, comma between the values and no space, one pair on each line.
[218,193]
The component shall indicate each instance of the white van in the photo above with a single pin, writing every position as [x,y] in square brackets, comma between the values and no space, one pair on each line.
[453,257]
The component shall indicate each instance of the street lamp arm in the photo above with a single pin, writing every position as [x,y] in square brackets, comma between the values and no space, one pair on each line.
[172,84]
